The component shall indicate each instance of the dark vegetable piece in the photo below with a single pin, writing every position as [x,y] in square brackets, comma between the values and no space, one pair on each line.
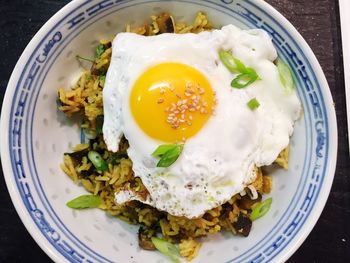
[225,212]
[246,202]
[243,225]
[123,144]
[78,156]
[116,157]
[99,124]
[145,235]
[165,23]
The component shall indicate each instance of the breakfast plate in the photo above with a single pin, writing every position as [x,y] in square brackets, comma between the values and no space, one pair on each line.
[34,135]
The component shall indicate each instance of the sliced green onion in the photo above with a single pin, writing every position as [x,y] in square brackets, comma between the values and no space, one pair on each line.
[244,79]
[162,149]
[260,209]
[168,154]
[231,63]
[100,49]
[86,59]
[97,161]
[99,124]
[168,249]
[253,104]
[85,201]
[286,76]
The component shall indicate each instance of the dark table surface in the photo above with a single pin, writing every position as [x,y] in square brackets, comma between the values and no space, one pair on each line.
[316,20]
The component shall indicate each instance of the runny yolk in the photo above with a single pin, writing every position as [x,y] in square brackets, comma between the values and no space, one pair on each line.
[171,102]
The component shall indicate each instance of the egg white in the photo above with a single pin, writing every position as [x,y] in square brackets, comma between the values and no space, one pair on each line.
[219,160]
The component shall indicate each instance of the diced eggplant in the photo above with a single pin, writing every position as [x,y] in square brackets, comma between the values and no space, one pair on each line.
[166,23]
[243,225]
[145,241]
[78,156]
[246,202]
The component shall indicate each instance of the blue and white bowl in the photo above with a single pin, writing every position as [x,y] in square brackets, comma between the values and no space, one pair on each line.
[34,135]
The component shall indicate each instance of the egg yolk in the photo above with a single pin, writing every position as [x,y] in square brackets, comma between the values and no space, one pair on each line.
[171,102]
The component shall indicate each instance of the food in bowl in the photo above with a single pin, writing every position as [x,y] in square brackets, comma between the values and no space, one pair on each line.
[180,128]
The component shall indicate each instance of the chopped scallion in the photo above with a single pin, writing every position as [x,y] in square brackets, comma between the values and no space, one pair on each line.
[97,161]
[253,104]
[260,209]
[85,201]
[162,149]
[247,75]
[286,76]
[231,63]
[244,79]
[168,154]
[168,249]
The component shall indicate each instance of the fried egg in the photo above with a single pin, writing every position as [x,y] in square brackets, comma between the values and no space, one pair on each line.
[173,88]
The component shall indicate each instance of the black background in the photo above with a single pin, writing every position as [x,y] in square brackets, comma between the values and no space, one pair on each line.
[316,20]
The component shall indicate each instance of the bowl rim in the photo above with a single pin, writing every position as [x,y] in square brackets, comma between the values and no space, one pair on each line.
[333,134]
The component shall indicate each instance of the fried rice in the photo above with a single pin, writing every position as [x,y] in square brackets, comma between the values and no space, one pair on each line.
[85,99]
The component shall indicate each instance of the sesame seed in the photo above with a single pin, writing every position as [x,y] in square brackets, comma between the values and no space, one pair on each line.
[188,123]
[161,100]
[190,117]
[184,107]
[178,95]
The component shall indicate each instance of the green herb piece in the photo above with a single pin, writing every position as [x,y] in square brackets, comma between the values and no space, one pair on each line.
[85,201]
[247,75]
[244,79]
[100,49]
[286,76]
[162,149]
[86,59]
[102,78]
[168,249]
[253,104]
[116,157]
[231,63]
[97,161]
[260,209]
[99,124]
[168,155]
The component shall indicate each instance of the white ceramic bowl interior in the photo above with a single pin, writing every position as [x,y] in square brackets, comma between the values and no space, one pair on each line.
[34,136]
